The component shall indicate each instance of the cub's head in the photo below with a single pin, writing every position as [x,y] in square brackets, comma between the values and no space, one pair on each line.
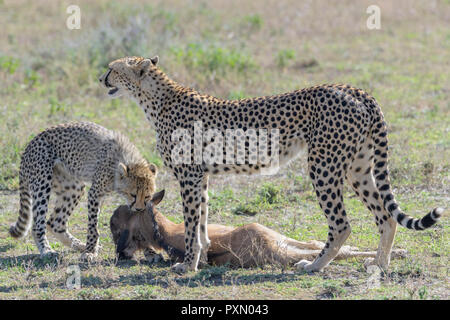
[125,75]
[136,183]
[132,231]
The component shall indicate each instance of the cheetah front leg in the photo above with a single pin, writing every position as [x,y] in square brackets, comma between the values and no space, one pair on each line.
[204,239]
[191,195]
[329,193]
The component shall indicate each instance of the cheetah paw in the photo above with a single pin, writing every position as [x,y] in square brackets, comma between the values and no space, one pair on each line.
[203,258]
[182,268]
[368,262]
[304,265]
[78,246]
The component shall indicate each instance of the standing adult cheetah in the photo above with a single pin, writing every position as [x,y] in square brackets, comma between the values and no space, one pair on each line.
[63,158]
[342,128]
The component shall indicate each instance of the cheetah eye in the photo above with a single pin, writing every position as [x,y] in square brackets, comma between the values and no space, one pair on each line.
[132,195]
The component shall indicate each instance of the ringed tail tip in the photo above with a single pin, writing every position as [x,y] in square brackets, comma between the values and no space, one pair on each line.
[438,212]
[430,219]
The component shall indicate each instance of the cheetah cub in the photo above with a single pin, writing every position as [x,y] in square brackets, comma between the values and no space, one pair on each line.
[65,157]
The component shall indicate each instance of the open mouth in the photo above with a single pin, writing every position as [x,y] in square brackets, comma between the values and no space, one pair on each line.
[113,90]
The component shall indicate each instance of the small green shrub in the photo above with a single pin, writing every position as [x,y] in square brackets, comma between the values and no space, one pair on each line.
[56,107]
[213,58]
[268,196]
[236,95]
[284,57]
[31,78]
[9,64]
[211,272]
[254,21]
[333,289]
[246,209]
[270,193]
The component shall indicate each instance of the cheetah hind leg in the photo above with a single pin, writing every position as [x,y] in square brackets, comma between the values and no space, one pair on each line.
[40,207]
[361,178]
[68,197]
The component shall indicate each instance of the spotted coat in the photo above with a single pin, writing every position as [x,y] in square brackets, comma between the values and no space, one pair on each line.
[62,159]
[342,129]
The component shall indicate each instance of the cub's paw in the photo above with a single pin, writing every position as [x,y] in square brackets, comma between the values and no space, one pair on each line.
[154,257]
[78,246]
[48,253]
[88,257]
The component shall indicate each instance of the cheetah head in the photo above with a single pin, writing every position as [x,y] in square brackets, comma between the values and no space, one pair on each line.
[133,231]
[125,75]
[136,183]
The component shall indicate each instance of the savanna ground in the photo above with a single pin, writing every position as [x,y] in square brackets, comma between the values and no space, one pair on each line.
[233,49]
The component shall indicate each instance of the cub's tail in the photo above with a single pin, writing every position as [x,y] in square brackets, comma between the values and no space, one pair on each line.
[23,223]
[381,173]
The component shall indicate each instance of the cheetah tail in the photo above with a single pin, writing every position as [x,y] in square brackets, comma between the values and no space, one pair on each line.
[23,223]
[381,173]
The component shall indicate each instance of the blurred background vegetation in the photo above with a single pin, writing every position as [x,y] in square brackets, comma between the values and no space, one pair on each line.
[231,49]
[237,49]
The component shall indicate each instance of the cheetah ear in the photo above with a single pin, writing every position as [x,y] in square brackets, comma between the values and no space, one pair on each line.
[143,68]
[157,197]
[155,60]
[153,168]
[123,170]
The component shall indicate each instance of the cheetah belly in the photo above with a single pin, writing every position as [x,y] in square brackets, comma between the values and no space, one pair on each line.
[292,150]
[68,173]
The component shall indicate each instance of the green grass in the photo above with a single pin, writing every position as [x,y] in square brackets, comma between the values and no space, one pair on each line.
[284,57]
[49,75]
[212,58]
